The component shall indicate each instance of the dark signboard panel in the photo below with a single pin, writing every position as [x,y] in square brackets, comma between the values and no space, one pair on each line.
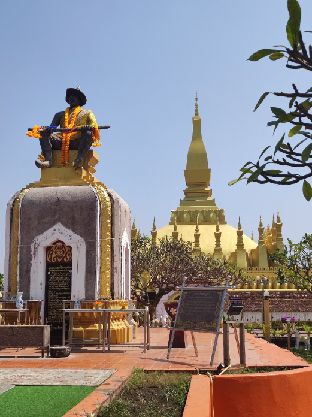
[58,289]
[58,281]
[199,309]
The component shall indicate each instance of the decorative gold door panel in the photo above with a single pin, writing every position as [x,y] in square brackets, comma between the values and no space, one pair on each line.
[58,281]
[59,253]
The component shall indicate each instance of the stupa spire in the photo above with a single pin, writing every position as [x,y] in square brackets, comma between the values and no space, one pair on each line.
[241,254]
[278,218]
[217,253]
[197,194]
[240,239]
[134,230]
[175,233]
[154,232]
[197,173]
[279,236]
[261,231]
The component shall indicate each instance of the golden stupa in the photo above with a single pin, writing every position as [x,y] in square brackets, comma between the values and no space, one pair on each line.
[199,220]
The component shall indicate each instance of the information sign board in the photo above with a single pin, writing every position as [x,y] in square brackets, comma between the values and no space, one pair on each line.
[200,309]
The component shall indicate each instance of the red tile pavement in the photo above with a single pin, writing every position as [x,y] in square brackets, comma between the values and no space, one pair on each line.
[124,359]
[258,353]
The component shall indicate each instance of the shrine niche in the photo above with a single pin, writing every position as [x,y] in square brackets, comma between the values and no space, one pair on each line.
[58,281]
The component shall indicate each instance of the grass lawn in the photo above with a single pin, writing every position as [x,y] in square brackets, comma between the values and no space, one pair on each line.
[41,401]
[305,354]
[154,394]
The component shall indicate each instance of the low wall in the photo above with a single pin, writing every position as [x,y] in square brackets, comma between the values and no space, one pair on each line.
[274,394]
[283,303]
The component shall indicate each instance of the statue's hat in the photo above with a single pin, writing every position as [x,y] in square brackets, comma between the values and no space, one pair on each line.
[78,93]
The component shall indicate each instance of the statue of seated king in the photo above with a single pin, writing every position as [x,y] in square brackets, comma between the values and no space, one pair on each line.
[75,128]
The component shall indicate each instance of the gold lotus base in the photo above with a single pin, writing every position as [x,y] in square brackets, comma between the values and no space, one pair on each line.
[87,326]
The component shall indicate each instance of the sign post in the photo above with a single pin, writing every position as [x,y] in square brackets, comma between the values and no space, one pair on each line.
[200,309]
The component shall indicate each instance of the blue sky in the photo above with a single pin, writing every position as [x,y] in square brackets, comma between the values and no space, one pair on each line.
[140,63]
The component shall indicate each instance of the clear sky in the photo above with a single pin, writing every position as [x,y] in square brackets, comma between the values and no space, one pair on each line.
[140,63]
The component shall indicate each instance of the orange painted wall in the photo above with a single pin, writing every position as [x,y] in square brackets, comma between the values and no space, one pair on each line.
[276,394]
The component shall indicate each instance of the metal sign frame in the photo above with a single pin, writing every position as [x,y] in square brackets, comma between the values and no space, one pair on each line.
[218,322]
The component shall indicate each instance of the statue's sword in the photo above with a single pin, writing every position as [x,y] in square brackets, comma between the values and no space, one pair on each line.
[66,130]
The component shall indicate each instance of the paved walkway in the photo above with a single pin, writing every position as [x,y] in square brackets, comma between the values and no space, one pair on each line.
[258,353]
[124,359]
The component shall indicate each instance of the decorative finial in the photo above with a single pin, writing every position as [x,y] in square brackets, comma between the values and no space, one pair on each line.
[196,105]
[252,235]
[273,220]
[260,222]
[278,218]
[239,226]
[154,224]
[134,230]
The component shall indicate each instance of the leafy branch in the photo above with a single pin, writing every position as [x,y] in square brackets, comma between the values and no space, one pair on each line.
[290,160]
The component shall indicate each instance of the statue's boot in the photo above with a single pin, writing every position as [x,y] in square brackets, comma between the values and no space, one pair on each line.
[47,163]
[43,164]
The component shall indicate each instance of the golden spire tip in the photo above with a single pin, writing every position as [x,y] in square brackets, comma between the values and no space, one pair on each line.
[196,105]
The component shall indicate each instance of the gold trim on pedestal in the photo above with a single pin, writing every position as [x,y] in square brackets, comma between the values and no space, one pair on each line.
[105,239]
[14,242]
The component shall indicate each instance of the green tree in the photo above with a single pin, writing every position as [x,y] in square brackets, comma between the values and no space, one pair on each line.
[294,264]
[164,267]
[289,161]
